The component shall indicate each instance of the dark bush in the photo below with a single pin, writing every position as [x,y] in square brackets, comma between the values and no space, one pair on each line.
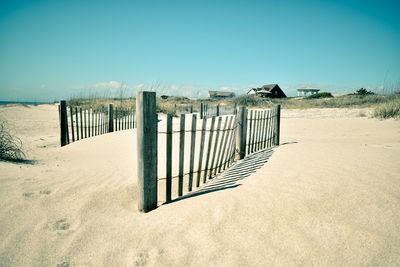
[363,91]
[320,95]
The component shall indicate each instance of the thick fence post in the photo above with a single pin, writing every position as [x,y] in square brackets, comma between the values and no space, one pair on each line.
[241,132]
[278,124]
[110,118]
[146,150]
[63,123]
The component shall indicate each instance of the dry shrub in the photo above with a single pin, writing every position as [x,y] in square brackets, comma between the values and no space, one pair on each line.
[10,146]
[389,110]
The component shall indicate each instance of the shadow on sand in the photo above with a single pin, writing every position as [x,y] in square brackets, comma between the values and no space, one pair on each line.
[228,178]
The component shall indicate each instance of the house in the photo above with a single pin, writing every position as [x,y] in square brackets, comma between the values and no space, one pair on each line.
[268,90]
[306,91]
[220,94]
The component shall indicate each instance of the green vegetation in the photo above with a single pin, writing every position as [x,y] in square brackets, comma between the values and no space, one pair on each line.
[389,110]
[363,91]
[320,95]
[10,146]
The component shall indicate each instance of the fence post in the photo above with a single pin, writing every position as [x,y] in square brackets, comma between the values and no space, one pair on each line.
[278,124]
[241,132]
[217,110]
[63,122]
[146,150]
[201,110]
[110,118]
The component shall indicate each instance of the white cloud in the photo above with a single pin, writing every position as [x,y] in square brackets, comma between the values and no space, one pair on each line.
[110,84]
[139,86]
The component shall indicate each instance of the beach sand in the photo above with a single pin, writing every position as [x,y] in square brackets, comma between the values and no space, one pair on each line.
[328,196]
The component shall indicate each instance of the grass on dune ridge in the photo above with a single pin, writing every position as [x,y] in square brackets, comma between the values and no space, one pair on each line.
[385,105]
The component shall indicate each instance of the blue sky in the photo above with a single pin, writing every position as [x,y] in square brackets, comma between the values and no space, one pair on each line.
[55,49]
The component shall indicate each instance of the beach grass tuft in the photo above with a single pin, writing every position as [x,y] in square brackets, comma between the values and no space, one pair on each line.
[10,145]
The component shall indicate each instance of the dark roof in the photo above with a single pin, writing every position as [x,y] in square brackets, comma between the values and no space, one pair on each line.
[268,90]
[268,87]
[221,93]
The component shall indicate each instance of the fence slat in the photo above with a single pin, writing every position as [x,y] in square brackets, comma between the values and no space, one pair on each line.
[88,121]
[271,125]
[81,122]
[278,124]
[251,121]
[169,158]
[192,151]
[232,144]
[210,139]
[215,147]
[181,154]
[254,131]
[221,143]
[226,134]
[93,122]
[72,123]
[262,129]
[77,123]
[203,135]
[259,116]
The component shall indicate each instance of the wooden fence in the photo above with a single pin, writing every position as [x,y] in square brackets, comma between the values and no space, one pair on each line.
[77,123]
[207,147]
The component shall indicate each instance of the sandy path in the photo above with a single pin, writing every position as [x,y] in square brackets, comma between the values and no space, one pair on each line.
[328,196]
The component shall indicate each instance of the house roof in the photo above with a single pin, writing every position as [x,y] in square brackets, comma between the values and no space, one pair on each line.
[220,93]
[268,87]
[308,88]
[265,89]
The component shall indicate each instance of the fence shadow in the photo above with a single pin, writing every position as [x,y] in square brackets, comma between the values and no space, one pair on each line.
[228,178]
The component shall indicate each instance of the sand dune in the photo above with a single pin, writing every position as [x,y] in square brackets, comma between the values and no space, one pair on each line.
[328,196]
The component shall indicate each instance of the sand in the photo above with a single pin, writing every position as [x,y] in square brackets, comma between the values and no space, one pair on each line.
[328,196]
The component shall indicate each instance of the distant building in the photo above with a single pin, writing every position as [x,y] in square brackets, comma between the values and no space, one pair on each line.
[306,91]
[268,90]
[220,94]
[164,96]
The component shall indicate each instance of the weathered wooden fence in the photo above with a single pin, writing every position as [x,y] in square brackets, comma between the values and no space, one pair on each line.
[205,110]
[205,147]
[77,123]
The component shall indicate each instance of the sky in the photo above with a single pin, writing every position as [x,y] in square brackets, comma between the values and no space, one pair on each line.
[52,50]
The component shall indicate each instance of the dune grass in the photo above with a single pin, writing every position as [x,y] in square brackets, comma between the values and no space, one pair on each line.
[388,110]
[384,103]
[10,145]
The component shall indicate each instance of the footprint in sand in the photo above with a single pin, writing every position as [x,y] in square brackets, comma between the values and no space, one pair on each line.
[142,259]
[45,192]
[28,195]
[61,225]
